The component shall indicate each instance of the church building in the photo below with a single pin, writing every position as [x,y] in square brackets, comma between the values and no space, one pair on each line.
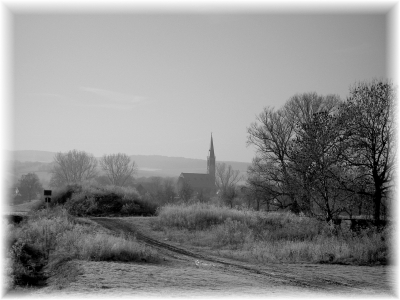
[201,182]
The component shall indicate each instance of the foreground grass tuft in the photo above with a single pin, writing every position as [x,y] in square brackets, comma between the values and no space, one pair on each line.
[49,237]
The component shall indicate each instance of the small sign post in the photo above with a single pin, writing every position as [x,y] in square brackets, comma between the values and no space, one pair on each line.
[47,197]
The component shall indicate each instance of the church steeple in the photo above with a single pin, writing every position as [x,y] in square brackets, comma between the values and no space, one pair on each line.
[212,148]
[211,159]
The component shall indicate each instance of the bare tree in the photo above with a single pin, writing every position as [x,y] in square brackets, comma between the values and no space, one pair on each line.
[73,167]
[268,174]
[368,115]
[315,158]
[262,190]
[300,108]
[272,134]
[118,168]
[226,180]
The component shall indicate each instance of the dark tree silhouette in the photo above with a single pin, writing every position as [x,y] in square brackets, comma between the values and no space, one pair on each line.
[368,118]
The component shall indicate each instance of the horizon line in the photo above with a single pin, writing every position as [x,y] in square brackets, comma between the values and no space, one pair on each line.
[136,155]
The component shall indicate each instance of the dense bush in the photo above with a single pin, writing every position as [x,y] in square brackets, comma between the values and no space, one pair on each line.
[23,262]
[63,194]
[94,200]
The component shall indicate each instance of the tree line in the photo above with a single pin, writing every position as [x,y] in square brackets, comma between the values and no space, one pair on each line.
[77,167]
[324,156]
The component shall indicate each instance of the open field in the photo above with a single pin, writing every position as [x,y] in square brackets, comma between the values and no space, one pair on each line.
[183,267]
[198,271]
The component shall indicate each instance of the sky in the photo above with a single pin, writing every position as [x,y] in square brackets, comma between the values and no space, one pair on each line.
[159,83]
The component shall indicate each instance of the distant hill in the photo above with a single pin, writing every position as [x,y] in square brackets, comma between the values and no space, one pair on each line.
[31,155]
[177,165]
[25,161]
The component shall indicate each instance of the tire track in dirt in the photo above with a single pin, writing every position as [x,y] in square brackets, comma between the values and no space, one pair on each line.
[121,226]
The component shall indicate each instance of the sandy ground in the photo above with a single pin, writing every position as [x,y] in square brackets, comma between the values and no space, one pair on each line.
[186,273]
[184,279]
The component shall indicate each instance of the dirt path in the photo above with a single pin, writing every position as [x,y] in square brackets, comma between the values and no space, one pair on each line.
[191,272]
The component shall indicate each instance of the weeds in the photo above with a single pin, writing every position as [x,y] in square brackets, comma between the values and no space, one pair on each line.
[200,216]
[272,237]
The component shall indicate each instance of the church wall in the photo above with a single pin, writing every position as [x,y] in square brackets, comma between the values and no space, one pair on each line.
[201,182]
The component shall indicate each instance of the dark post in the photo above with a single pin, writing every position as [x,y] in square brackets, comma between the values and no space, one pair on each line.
[48,198]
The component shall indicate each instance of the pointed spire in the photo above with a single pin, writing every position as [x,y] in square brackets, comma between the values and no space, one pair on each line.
[211,147]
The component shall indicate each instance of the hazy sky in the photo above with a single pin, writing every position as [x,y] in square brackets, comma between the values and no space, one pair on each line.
[161,83]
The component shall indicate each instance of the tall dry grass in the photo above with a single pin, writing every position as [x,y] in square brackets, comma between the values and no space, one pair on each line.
[200,216]
[49,237]
[272,237]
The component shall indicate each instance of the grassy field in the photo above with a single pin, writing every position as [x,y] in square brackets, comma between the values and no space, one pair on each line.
[272,237]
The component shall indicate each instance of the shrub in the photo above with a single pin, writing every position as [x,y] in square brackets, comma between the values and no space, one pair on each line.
[28,262]
[109,200]
[62,195]
[96,200]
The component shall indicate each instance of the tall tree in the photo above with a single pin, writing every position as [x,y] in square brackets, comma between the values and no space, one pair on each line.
[315,159]
[73,167]
[258,191]
[118,167]
[368,115]
[29,186]
[270,134]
